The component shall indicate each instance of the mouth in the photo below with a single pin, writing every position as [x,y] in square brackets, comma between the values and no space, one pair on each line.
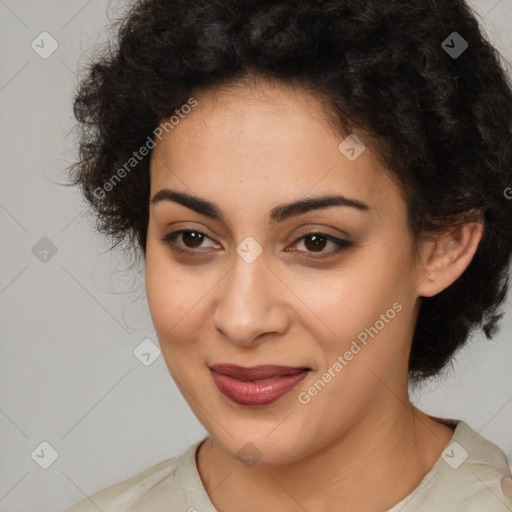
[256,385]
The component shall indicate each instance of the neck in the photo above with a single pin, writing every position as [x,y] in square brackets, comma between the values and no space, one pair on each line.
[394,443]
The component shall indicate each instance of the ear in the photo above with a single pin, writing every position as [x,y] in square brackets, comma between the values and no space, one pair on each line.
[444,259]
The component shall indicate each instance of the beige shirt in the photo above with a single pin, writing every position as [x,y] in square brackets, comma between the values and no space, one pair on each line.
[466,478]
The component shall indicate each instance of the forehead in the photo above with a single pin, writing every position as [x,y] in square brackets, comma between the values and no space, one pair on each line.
[263,141]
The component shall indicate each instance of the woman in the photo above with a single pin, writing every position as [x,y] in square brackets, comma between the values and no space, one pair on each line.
[318,190]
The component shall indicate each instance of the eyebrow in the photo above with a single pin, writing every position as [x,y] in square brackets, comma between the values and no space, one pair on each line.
[278,214]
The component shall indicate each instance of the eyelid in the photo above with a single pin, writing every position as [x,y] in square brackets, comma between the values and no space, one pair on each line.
[310,230]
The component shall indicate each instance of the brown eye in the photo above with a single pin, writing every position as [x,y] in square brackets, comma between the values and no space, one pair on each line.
[314,243]
[317,242]
[190,240]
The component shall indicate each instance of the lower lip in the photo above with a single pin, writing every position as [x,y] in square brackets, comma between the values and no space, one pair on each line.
[256,393]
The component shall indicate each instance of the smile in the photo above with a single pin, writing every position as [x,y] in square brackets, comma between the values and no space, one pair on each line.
[256,386]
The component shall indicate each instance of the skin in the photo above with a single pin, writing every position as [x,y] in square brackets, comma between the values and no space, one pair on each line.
[249,148]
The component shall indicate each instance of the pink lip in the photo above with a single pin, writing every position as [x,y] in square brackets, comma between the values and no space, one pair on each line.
[237,383]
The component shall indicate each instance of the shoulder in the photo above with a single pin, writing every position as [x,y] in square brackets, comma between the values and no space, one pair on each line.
[159,487]
[477,467]
[466,478]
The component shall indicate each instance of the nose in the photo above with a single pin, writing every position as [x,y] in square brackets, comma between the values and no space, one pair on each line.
[251,302]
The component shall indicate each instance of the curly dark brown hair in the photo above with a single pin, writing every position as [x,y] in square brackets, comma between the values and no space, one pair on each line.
[438,113]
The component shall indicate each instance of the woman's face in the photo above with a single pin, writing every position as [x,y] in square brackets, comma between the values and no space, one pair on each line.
[255,286]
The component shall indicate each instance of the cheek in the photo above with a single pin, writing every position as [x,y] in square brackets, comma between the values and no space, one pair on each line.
[364,314]
[170,296]
[354,298]
[173,319]
[366,352]
[179,307]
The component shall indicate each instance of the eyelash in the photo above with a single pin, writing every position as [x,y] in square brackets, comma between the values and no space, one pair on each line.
[341,245]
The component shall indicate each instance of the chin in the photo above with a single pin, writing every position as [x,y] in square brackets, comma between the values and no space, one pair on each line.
[254,446]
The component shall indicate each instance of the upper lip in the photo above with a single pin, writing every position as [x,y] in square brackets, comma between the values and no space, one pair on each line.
[260,372]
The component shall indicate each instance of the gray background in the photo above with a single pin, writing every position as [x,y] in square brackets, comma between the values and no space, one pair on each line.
[70,324]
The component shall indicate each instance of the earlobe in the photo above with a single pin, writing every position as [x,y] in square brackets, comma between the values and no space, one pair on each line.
[447,257]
